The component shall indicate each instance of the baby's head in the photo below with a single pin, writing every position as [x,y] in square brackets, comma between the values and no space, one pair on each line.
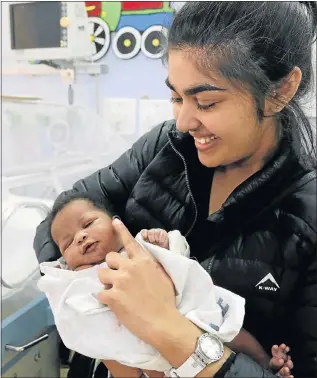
[81,226]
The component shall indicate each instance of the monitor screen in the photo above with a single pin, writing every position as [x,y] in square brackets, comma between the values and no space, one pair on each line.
[36,25]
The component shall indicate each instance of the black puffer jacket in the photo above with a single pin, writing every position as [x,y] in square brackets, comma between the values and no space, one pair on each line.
[263,243]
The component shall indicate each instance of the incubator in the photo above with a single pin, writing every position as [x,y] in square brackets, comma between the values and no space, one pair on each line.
[46,148]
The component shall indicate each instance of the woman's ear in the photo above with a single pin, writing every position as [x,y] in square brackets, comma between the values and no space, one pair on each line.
[284,93]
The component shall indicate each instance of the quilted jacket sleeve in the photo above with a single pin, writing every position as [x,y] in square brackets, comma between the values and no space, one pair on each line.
[302,306]
[113,183]
[302,320]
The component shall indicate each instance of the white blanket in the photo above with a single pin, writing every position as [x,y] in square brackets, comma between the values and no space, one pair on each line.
[91,329]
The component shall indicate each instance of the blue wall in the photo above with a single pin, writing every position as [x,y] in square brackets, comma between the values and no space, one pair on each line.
[134,78]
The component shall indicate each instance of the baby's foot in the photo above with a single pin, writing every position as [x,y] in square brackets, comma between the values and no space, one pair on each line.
[279,356]
[285,372]
[156,236]
[280,361]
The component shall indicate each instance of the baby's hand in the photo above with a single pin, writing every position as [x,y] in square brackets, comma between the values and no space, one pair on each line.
[281,361]
[156,236]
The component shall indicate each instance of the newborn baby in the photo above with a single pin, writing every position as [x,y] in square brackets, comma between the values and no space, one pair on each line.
[82,229]
[84,234]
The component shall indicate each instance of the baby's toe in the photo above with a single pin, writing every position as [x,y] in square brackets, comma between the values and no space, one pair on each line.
[289,363]
[277,363]
[281,352]
[284,372]
[274,349]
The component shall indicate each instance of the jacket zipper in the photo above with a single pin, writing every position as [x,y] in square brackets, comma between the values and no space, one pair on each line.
[211,262]
[113,173]
[188,186]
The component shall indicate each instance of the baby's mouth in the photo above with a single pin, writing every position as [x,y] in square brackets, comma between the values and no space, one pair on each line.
[90,248]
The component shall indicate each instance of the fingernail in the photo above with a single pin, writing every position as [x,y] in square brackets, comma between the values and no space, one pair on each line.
[116,219]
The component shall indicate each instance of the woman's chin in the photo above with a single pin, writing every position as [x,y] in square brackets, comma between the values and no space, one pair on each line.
[209,161]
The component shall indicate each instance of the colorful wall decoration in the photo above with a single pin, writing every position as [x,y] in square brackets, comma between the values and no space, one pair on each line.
[129,27]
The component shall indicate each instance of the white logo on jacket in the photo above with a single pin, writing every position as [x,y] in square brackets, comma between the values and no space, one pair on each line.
[268,283]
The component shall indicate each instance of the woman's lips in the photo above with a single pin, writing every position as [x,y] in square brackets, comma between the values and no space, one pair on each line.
[205,143]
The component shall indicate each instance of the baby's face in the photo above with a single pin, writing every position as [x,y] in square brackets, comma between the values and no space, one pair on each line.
[84,234]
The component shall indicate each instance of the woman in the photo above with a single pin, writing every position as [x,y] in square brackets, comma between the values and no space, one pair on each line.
[235,173]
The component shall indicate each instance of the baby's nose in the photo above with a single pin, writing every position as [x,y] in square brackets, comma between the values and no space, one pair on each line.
[81,237]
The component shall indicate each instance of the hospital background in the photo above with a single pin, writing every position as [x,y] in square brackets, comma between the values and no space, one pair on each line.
[61,122]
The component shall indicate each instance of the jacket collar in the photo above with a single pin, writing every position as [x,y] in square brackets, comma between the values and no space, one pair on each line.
[259,189]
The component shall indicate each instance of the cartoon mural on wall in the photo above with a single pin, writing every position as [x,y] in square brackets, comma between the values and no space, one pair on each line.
[138,26]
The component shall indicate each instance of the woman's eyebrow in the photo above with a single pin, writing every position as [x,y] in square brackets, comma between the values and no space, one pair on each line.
[201,88]
[170,86]
[196,89]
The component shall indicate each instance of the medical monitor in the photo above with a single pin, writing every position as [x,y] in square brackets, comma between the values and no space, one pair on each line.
[49,30]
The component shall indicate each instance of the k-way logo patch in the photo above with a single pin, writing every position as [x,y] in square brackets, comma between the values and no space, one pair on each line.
[268,283]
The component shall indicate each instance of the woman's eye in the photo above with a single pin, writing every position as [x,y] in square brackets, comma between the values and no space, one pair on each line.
[176,100]
[205,107]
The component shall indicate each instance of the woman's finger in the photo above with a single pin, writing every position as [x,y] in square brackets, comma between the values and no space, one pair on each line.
[132,247]
[114,260]
[107,276]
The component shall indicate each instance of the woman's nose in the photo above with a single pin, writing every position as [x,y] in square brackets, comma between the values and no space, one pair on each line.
[81,236]
[186,120]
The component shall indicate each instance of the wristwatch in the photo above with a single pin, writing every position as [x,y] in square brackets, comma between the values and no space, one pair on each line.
[209,349]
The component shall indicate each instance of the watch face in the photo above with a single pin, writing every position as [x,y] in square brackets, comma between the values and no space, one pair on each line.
[211,347]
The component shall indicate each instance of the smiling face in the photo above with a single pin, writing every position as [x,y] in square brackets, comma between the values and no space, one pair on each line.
[84,234]
[221,118]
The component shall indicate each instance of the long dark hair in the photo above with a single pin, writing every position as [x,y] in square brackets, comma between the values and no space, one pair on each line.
[256,44]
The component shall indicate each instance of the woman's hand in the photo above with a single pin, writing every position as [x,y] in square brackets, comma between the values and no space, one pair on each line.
[142,295]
